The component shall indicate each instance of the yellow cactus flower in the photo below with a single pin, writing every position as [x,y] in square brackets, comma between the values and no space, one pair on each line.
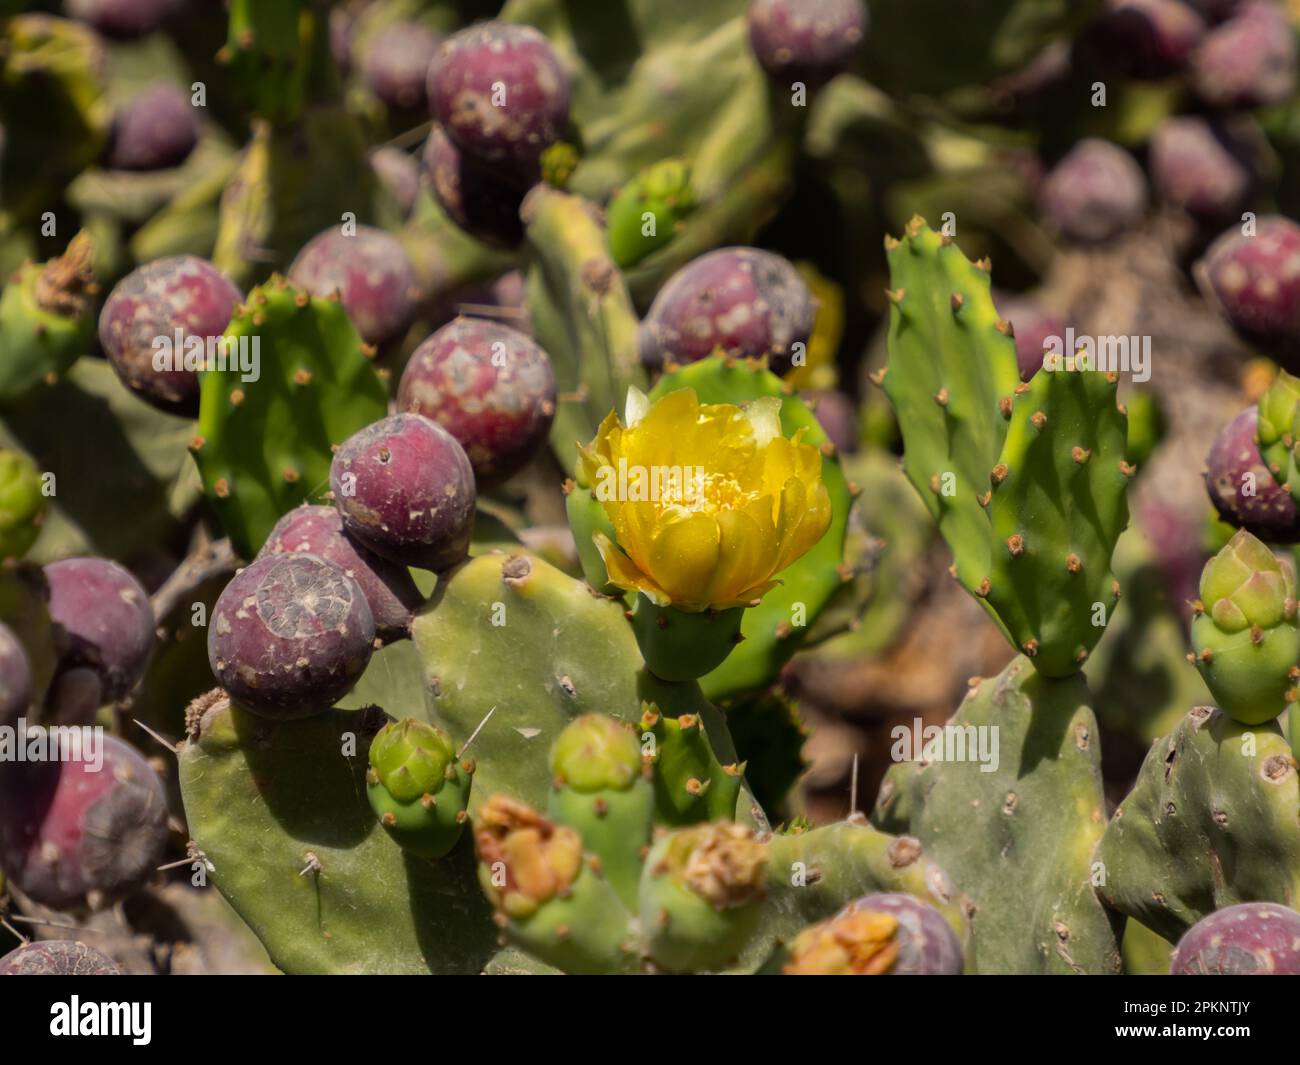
[708,502]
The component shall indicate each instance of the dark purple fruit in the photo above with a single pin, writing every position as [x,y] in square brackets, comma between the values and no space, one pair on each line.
[58,957]
[1249,939]
[837,416]
[927,945]
[290,635]
[405,489]
[806,40]
[1204,167]
[85,830]
[370,271]
[390,592]
[501,94]
[488,385]
[747,302]
[1243,491]
[138,327]
[472,196]
[1032,325]
[153,130]
[1147,39]
[396,65]
[399,174]
[107,619]
[122,19]
[1094,193]
[15,677]
[1255,282]
[1248,61]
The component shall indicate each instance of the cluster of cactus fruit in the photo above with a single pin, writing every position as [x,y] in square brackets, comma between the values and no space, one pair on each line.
[439,715]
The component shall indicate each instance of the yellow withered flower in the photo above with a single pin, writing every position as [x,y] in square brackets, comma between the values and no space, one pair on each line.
[708,501]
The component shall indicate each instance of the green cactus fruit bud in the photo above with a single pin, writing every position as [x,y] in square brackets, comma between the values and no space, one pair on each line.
[852,943]
[22,504]
[649,210]
[700,895]
[558,164]
[1245,632]
[1277,412]
[678,645]
[549,897]
[417,787]
[691,785]
[601,788]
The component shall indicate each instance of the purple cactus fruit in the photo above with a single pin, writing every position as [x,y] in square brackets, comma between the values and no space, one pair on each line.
[107,619]
[396,64]
[86,829]
[1243,491]
[1094,193]
[747,302]
[1032,324]
[370,271]
[153,130]
[502,95]
[122,19]
[290,635]
[58,957]
[488,385]
[15,677]
[1255,283]
[1249,939]
[1147,39]
[837,416]
[1248,61]
[405,489]
[399,174]
[806,40]
[155,317]
[1204,167]
[472,196]
[390,592]
[927,945]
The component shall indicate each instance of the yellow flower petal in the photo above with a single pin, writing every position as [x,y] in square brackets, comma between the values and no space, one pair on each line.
[684,555]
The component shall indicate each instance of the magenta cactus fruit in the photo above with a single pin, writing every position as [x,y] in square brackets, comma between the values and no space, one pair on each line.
[502,95]
[746,302]
[488,385]
[388,588]
[878,935]
[1248,61]
[472,195]
[85,830]
[290,635]
[1202,166]
[1255,282]
[405,489]
[108,623]
[58,957]
[1241,487]
[1032,324]
[122,19]
[178,306]
[155,129]
[1094,193]
[837,415]
[1249,939]
[1147,39]
[807,41]
[15,677]
[399,174]
[371,273]
[396,64]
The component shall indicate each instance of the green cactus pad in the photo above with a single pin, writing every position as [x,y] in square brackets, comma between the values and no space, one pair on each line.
[417,788]
[266,51]
[265,445]
[690,783]
[1032,822]
[658,200]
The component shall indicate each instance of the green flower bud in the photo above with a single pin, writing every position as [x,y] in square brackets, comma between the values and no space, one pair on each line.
[417,788]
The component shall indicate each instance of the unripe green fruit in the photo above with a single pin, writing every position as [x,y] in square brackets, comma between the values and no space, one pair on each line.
[647,212]
[22,505]
[417,788]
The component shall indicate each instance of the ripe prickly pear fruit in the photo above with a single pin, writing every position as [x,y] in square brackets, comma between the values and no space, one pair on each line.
[370,272]
[181,299]
[1249,939]
[22,503]
[15,677]
[1248,61]
[700,894]
[155,129]
[472,196]
[837,415]
[417,788]
[927,944]
[1244,631]
[390,592]
[649,211]
[502,95]
[1204,167]
[488,385]
[58,957]
[405,489]
[1255,282]
[747,302]
[1148,39]
[289,635]
[1241,487]
[399,174]
[1094,193]
[807,41]
[77,833]
[396,65]
[547,895]
[601,788]
[107,620]
[122,19]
